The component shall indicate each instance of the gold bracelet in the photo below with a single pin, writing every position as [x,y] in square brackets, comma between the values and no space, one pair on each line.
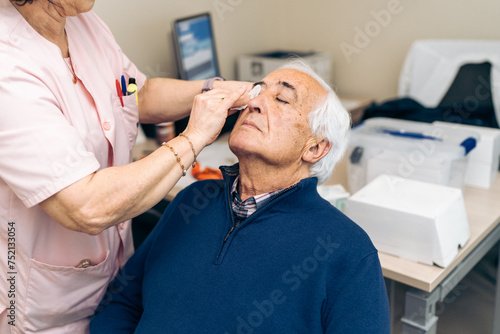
[177,156]
[192,148]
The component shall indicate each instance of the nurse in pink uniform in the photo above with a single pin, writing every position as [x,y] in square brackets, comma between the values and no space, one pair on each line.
[68,188]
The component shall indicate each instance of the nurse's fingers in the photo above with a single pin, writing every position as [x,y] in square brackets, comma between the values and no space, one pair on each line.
[209,112]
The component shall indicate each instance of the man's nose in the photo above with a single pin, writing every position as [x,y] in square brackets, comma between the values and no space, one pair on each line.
[258,104]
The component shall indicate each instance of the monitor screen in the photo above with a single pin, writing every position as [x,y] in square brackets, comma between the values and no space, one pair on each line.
[195,47]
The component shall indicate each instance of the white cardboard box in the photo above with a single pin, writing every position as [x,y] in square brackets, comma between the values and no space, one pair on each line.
[483,162]
[416,220]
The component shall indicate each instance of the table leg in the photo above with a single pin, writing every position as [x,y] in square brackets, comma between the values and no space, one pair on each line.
[496,312]
[420,312]
[391,292]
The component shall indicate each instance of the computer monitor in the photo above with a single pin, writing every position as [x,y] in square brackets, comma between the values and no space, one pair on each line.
[194,46]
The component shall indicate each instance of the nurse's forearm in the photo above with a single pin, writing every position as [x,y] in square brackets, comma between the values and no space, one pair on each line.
[116,194]
[164,100]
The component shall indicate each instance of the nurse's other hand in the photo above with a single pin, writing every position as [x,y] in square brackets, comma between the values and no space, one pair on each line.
[209,113]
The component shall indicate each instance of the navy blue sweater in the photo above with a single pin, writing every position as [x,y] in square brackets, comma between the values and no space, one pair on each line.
[297,265]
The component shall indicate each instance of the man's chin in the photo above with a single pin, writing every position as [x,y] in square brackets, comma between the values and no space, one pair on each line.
[239,137]
[240,146]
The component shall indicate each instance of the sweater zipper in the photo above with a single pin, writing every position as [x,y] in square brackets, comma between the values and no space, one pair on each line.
[231,230]
[228,234]
[232,220]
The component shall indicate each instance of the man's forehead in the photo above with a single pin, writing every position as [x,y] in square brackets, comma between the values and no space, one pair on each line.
[302,83]
[291,78]
[286,74]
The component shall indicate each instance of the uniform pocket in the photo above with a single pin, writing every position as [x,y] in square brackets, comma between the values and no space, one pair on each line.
[59,296]
[129,115]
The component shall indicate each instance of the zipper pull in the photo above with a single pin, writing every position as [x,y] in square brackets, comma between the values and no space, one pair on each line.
[229,233]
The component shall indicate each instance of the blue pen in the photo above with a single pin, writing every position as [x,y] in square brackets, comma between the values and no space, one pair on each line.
[124,86]
[414,135]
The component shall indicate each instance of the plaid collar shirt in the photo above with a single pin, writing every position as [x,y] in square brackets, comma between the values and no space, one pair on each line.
[244,209]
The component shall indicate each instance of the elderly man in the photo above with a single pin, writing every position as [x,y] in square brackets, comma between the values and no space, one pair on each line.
[259,251]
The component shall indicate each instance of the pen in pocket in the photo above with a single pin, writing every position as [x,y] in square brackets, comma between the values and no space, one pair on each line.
[132,88]
[119,91]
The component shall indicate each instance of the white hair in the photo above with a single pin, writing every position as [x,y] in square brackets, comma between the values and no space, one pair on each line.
[329,121]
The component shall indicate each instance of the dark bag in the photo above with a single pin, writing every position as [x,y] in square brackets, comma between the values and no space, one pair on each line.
[468,101]
[409,109]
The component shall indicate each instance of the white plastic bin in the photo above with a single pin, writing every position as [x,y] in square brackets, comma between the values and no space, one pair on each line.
[408,149]
[484,160]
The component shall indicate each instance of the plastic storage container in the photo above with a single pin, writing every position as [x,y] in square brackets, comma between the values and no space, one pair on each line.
[484,160]
[408,149]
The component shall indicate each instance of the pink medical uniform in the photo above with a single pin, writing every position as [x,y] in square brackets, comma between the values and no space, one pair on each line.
[53,133]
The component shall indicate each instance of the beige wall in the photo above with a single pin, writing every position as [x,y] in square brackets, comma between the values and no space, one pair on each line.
[365,63]
[143,29]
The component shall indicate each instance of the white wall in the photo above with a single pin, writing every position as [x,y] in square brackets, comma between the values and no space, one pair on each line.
[369,68]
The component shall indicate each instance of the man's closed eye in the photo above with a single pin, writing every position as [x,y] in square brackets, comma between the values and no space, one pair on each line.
[281,100]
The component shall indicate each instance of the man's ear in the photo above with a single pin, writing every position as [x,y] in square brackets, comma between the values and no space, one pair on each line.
[316,151]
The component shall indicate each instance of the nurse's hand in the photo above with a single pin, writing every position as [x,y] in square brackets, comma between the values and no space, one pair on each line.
[234,85]
[209,114]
